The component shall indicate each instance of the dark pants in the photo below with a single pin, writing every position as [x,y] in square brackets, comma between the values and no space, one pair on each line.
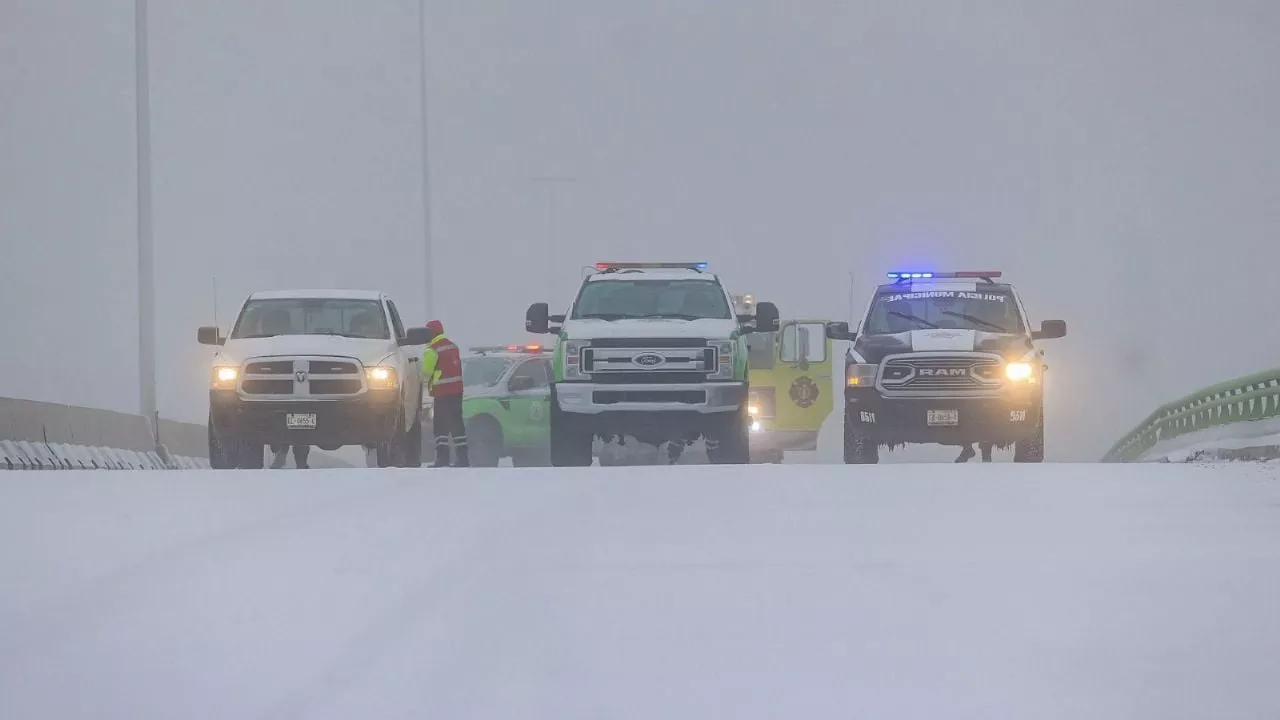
[447,423]
[300,453]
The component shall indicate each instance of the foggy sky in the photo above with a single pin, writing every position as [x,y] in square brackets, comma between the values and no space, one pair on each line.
[1117,160]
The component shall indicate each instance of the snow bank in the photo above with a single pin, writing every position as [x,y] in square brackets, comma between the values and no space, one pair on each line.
[983,591]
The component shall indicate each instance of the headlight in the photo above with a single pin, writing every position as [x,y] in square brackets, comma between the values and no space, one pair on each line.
[724,358]
[860,375]
[753,409]
[1018,371]
[573,359]
[225,376]
[381,378]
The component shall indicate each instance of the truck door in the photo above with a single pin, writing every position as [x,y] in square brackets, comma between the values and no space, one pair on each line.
[804,377]
[530,392]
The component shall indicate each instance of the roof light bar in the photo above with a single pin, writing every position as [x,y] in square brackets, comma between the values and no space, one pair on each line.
[606,266]
[507,349]
[926,274]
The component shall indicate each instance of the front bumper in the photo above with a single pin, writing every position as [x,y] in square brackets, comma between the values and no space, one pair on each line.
[368,419]
[597,398]
[1001,419]
[764,437]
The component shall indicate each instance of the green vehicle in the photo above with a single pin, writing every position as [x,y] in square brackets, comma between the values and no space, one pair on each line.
[506,396]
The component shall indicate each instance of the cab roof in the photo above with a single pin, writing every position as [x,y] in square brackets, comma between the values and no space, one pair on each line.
[958,285]
[317,295]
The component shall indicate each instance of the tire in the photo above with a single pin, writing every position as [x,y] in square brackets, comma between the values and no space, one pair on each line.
[413,443]
[1031,450]
[570,441]
[733,432]
[484,441]
[390,452]
[219,457]
[859,448]
[249,455]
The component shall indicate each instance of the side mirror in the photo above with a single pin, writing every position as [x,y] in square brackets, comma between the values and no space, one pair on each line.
[415,336]
[520,383]
[766,317]
[839,331]
[1050,330]
[538,319]
[208,335]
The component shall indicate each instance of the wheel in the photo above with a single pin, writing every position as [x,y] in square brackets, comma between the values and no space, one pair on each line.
[729,443]
[219,457]
[859,448]
[1031,450]
[250,455]
[390,452]
[484,441]
[413,443]
[570,441]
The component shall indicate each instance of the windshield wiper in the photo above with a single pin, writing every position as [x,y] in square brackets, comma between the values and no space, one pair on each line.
[673,316]
[341,334]
[602,316]
[909,316]
[259,335]
[978,320]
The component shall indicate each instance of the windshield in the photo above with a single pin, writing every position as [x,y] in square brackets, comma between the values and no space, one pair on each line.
[684,299]
[947,309]
[312,316]
[483,370]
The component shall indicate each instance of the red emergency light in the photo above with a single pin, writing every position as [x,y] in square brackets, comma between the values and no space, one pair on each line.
[607,266]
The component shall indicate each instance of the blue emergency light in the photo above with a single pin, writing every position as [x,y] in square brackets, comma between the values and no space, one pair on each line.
[915,275]
[606,266]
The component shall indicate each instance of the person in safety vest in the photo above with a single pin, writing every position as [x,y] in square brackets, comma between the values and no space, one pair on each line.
[442,372]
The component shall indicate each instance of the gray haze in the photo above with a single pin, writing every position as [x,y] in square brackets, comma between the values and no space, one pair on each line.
[1118,160]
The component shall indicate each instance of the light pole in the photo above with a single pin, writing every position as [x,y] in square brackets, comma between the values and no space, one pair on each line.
[428,265]
[551,182]
[146,255]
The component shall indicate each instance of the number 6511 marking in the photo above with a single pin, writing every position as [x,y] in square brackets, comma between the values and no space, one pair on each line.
[1017,416]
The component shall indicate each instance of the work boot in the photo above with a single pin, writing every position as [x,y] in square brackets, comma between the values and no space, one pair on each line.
[300,455]
[966,454]
[464,457]
[442,453]
[279,455]
[986,453]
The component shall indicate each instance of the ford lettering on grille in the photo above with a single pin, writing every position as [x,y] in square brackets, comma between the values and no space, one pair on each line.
[648,360]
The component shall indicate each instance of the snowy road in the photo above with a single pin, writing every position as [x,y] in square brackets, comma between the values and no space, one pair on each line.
[997,591]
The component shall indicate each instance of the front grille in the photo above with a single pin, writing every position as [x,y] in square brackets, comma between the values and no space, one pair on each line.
[765,399]
[941,373]
[612,397]
[332,367]
[648,343]
[272,367]
[642,378]
[335,387]
[649,359]
[268,387]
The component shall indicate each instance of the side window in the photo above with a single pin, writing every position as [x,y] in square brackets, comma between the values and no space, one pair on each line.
[531,375]
[395,319]
[760,350]
[787,347]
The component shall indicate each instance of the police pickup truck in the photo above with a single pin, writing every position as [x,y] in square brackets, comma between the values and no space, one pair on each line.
[947,358]
[651,351]
[315,367]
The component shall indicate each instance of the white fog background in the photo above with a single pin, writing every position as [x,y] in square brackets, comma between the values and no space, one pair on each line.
[1117,159]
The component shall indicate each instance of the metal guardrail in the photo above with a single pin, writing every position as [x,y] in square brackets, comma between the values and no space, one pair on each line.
[1241,400]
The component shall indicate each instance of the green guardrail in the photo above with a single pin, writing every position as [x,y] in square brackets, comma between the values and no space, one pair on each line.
[1244,399]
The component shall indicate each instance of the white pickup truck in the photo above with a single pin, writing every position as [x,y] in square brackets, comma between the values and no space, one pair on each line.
[316,367]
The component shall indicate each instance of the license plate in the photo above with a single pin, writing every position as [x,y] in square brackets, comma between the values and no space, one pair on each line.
[300,421]
[943,417]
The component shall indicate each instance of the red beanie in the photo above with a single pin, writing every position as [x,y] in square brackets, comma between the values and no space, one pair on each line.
[436,327]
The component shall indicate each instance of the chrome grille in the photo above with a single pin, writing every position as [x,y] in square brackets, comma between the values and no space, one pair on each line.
[940,373]
[316,378]
[646,360]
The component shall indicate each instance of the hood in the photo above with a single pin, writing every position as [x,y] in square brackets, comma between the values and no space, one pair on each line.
[367,352]
[875,347]
[592,329]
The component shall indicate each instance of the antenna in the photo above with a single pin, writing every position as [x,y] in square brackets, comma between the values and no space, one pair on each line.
[215,301]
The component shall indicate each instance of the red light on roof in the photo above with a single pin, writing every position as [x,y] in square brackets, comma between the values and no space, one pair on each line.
[533,348]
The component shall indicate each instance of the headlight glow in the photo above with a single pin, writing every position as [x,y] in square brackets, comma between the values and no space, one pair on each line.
[1018,371]
[380,377]
[753,410]
[225,376]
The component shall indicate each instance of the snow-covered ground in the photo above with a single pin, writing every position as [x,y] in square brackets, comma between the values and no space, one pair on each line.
[896,591]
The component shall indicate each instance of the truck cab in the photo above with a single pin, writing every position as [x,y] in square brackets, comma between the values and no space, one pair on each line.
[315,367]
[948,358]
[653,351]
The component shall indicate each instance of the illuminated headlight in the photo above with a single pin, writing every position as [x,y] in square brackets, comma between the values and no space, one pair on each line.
[755,426]
[225,376]
[860,375]
[724,358]
[381,377]
[753,409]
[572,350]
[1018,371]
